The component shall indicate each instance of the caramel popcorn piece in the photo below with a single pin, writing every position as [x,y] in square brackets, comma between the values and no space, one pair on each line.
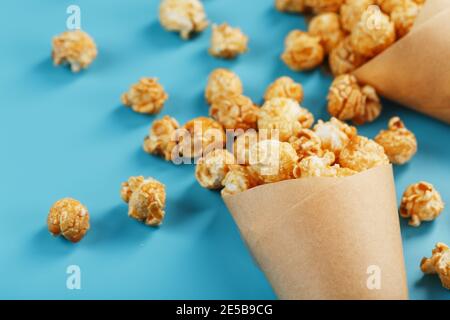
[351,12]
[183,16]
[319,6]
[284,87]
[302,51]
[327,27]
[161,138]
[212,169]
[343,59]
[69,218]
[421,202]
[388,5]
[371,106]
[242,144]
[239,179]
[285,116]
[362,154]
[403,16]
[373,33]
[306,143]
[272,160]
[146,96]
[75,48]
[320,166]
[399,144]
[146,198]
[227,42]
[439,263]
[334,134]
[293,6]
[222,82]
[235,112]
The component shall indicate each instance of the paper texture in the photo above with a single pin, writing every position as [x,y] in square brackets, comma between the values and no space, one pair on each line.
[415,71]
[316,238]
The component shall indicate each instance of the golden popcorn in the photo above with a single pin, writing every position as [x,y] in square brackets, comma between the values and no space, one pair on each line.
[302,51]
[242,145]
[334,134]
[362,154]
[371,106]
[285,116]
[272,160]
[239,179]
[306,143]
[146,96]
[69,218]
[438,263]
[373,33]
[316,166]
[227,42]
[183,16]
[327,27]
[212,169]
[294,6]
[146,198]
[389,5]
[222,82]
[319,6]
[284,87]
[403,16]
[351,12]
[343,59]
[235,112]
[399,144]
[421,202]
[75,48]
[161,138]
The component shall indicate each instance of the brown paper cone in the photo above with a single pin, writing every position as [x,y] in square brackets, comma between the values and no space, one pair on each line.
[316,238]
[415,71]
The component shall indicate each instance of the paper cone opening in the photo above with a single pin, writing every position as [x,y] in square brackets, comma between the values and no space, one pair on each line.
[326,238]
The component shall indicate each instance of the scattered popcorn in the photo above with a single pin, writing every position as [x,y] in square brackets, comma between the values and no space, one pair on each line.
[211,170]
[146,96]
[272,160]
[242,145]
[319,6]
[343,59]
[239,179]
[351,12]
[306,143]
[284,115]
[315,166]
[327,27]
[227,42]
[222,82]
[75,48]
[161,138]
[284,87]
[334,134]
[371,106]
[438,263]
[388,5]
[293,6]
[421,202]
[69,218]
[373,33]
[362,154]
[183,16]
[399,144]
[146,198]
[403,16]
[302,51]
[235,112]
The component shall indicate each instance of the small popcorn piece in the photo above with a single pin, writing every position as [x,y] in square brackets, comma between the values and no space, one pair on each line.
[284,87]
[212,169]
[438,263]
[69,218]
[284,117]
[239,179]
[235,112]
[227,42]
[361,154]
[292,6]
[334,134]
[75,48]
[319,6]
[272,160]
[373,33]
[146,96]
[161,138]
[306,143]
[371,107]
[399,144]
[351,12]
[315,166]
[183,16]
[327,27]
[403,16]
[421,202]
[343,59]
[302,51]
[388,5]
[146,198]
[222,83]
[242,144]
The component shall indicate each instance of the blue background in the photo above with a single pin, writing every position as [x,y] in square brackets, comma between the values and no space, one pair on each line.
[64,134]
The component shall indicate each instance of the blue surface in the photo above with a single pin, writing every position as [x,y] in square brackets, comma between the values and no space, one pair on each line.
[64,134]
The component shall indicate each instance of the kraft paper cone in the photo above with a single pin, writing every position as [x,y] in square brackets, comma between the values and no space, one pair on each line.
[415,71]
[316,238]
